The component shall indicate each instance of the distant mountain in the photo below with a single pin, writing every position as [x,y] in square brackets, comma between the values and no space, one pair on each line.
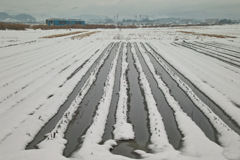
[5,17]
[25,18]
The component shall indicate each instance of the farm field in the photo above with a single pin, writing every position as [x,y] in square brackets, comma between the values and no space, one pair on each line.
[160,93]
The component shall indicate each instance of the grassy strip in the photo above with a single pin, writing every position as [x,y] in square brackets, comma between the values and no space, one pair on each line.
[62,35]
[19,26]
[45,27]
[84,35]
[13,26]
[207,35]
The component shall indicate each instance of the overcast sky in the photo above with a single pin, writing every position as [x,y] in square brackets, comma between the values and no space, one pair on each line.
[152,8]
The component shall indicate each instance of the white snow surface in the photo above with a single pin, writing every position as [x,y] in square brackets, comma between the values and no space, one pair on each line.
[195,144]
[57,134]
[34,83]
[90,148]
[227,136]
[159,138]
[218,80]
[123,130]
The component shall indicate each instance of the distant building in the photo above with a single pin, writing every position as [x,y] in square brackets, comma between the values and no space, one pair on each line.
[225,21]
[212,21]
[61,22]
[188,21]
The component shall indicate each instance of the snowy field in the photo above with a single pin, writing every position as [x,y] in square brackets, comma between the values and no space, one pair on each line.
[153,94]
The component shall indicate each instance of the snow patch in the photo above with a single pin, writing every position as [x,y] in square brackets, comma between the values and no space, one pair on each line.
[123,130]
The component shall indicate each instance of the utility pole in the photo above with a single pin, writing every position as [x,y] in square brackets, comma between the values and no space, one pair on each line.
[117,20]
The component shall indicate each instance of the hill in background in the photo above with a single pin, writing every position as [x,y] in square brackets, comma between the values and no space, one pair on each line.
[5,17]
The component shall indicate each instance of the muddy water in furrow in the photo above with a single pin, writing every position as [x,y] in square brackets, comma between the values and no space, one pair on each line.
[220,51]
[185,102]
[204,98]
[48,127]
[165,110]
[112,110]
[232,61]
[137,113]
[221,46]
[87,108]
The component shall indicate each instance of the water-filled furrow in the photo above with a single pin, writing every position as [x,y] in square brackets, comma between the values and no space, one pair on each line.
[87,108]
[48,127]
[137,112]
[185,102]
[222,46]
[112,110]
[165,110]
[210,50]
[216,56]
[202,96]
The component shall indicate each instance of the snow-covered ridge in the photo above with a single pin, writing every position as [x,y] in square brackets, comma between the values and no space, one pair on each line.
[40,98]
[226,78]
[34,77]
[39,116]
[228,138]
[39,76]
[93,136]
[191,136]
[123,130]
[218,55]
[159,137]
[57,133]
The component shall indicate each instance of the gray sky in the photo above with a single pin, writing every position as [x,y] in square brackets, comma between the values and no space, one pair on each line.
[158,8]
